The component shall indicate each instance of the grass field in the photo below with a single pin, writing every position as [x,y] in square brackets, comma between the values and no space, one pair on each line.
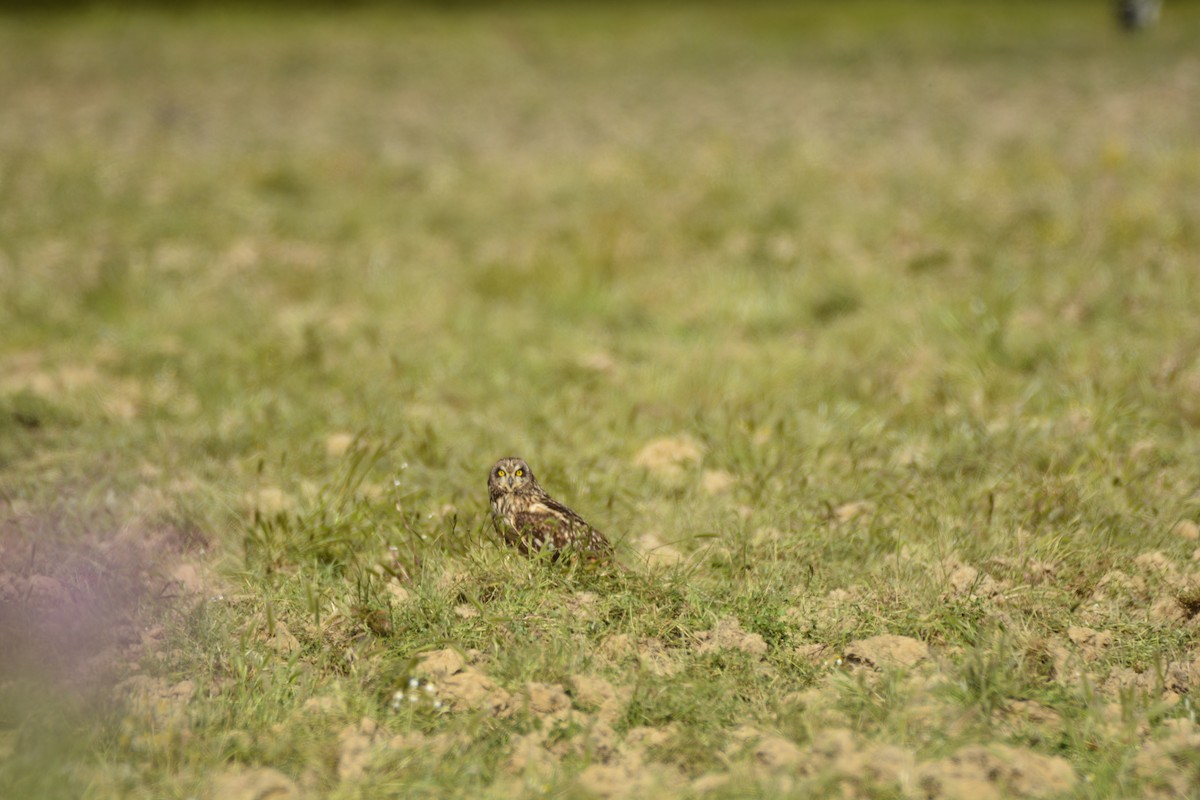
[844,321]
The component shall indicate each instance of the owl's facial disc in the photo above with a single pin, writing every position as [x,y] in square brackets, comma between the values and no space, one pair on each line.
[510,474]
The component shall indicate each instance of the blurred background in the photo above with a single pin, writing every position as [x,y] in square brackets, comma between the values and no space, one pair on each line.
[779,291]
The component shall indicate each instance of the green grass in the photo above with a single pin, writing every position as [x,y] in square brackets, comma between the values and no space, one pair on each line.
[938,261]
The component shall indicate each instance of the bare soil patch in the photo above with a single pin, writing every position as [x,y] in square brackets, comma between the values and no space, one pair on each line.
[79,601]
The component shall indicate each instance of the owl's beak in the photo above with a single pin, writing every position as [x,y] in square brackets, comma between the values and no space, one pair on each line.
[510,482]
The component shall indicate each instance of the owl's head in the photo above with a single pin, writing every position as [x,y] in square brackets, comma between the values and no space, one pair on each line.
[510,475]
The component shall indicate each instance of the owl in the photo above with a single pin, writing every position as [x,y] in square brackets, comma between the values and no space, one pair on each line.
[531,520]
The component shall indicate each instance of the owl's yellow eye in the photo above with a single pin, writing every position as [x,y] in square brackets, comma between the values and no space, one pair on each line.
[520,473]
[500,473]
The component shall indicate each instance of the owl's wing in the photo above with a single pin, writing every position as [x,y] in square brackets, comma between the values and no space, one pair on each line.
[548,522]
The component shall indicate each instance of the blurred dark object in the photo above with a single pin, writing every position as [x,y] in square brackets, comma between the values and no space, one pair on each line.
[187,6]
[1137,14]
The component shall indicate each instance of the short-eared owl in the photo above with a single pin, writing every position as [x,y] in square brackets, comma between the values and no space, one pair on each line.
[531,520]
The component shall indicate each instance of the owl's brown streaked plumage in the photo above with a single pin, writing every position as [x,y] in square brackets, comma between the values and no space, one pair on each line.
[531,520]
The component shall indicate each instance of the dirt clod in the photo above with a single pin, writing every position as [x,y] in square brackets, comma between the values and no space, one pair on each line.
[853,510]
[966,581]
[656,552]
[440,664]
[776,752]
[463,686]
[42,590]
[1169,766]
[466,611]
[624,779]
[337,444]
[261,783]
[188,578]
[598,695]
[716,481]
[1155,562]
[656,659]
[355,749]
[885,651]
[547,698]
[727,634]
[996,771]
[1186,529]
[1091,643]
[324,704]
[814,653]
[669,457]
